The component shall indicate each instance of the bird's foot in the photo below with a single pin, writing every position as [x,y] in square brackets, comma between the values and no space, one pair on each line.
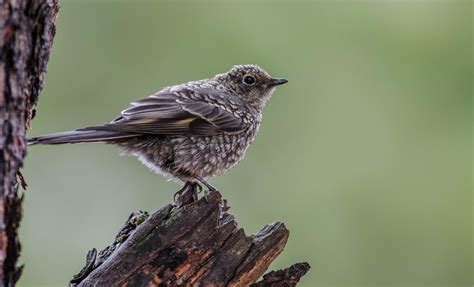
[197,186]
[187,194]
[210,188]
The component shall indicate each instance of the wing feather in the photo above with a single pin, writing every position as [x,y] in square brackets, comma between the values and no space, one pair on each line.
[171,113]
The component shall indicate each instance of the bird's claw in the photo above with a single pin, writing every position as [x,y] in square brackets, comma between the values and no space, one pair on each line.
[181,197]
[197,187]
[187,194]
[210,188]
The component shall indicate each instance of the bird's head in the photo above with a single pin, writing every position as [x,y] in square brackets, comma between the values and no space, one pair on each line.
[250,82]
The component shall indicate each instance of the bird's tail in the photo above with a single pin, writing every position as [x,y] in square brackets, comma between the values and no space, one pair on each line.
[79,136]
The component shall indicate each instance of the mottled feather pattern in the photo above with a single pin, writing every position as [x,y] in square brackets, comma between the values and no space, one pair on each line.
[230,125]
[191,132]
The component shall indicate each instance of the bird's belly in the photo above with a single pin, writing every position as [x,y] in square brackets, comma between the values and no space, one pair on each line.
[211,155]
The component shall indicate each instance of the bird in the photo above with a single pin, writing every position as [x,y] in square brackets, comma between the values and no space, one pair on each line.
[190,132]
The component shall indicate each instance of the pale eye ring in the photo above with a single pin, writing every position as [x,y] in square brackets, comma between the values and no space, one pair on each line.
[249,80]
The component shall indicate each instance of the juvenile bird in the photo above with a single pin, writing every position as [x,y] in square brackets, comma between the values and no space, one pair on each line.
[190,132]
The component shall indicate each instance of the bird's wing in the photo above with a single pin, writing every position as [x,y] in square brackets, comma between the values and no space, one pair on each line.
[176,112]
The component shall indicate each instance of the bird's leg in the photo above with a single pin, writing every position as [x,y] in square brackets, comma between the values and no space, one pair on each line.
[187,194]
[23,183]
[210,188]
[197,186]
[203,181]
[181,190]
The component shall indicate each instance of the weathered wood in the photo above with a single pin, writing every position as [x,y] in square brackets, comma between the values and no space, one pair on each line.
[198,244]
[27,29]
[284,278]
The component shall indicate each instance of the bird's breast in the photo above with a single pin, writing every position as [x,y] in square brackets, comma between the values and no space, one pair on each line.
[209,156]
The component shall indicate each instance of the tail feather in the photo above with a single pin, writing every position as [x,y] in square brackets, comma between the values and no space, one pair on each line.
[78,136]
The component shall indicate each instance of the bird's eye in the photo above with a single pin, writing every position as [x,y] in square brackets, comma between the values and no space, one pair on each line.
[249,80]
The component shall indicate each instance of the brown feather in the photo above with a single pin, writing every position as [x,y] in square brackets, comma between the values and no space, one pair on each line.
[167,113]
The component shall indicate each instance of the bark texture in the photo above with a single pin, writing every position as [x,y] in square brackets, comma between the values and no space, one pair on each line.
[197,244]
[27,29]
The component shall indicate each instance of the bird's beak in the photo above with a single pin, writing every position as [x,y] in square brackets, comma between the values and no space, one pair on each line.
[277,82]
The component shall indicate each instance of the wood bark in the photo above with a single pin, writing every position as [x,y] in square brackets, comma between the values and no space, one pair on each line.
[27,29]
[196,244]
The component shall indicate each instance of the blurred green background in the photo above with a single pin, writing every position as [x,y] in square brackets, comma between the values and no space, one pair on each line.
[365,154]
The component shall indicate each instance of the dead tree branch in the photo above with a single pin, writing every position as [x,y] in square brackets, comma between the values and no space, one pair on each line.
[198,244]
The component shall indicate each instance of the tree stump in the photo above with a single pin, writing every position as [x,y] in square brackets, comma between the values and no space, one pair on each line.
[196,244]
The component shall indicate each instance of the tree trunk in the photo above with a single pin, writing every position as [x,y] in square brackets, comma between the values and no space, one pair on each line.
[27,29]
[197,244]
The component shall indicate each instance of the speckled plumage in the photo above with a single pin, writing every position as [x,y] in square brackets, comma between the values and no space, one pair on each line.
[193,131]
